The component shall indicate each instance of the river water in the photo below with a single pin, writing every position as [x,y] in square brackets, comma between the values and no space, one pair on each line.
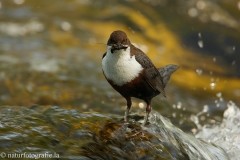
[50,54]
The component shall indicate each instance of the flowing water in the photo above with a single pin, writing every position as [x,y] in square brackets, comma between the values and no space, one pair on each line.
[225,134]
[50,55]
[73,135]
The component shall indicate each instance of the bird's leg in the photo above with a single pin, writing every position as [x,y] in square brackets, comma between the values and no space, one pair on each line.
[129,104]
[148,110]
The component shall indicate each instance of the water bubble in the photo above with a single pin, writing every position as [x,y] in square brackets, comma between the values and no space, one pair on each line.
[194,130]
[181,122]
[179,105]
[205,108]
[201,4]
[234,48]
[219,95]
[194,118]
[230,112]
[199,35]
[192,12]
[200,43]
[221,99]
[214,59]
[29,87]
[35,26]
[18,1]
[199,71]
[66,26]
[174,114]
[212,85]
[174,106]
[141,105]
[84,106]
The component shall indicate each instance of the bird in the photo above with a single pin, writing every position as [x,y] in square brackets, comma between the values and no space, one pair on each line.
[132,73]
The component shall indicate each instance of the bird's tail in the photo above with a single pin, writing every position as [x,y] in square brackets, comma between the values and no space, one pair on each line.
[166,72]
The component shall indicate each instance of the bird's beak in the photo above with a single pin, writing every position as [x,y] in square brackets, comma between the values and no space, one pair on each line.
[118,46]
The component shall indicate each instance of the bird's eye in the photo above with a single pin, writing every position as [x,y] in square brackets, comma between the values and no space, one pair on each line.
[125,40]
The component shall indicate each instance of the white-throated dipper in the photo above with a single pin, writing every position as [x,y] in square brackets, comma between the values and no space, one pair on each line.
[131,72]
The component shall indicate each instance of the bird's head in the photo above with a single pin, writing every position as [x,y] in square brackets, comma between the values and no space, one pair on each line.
[118,40]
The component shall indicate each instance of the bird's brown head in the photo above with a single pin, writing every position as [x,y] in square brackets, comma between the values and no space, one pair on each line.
[118,40]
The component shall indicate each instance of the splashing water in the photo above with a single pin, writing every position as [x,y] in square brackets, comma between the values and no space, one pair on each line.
[226,134]
[186,143]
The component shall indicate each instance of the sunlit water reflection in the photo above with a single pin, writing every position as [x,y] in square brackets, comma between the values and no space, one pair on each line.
[50,55]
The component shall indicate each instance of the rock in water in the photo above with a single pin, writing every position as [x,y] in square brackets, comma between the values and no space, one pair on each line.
[74,135]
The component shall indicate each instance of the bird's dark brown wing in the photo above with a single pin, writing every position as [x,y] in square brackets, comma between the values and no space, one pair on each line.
[152,75]
[104,55]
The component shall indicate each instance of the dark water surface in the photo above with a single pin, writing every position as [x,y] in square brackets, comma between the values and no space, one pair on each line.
[50,54]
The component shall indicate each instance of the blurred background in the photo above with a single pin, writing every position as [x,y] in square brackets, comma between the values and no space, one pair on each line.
[51,53]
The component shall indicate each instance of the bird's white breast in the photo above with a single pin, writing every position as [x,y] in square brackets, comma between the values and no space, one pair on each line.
[120,67]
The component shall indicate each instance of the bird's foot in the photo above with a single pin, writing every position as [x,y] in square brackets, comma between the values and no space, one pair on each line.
[126,118]
[126,115]
[148,110]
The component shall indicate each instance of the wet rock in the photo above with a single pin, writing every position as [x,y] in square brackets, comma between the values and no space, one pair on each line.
[75,135]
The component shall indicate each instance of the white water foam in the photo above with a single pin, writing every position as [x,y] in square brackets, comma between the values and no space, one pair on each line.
[227,134]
